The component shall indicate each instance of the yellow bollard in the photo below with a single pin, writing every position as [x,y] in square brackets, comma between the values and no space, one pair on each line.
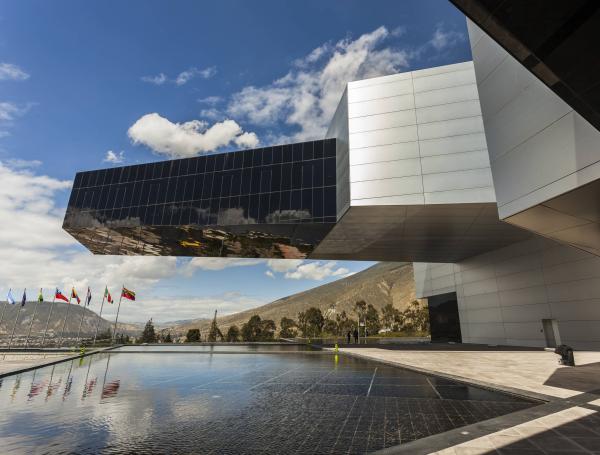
[336,349]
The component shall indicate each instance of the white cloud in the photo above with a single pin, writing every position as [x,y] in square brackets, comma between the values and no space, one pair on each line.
[270,274]
[8,71]
[212,113]
[212,100]
[317,271]
[114,158]
[284,265]
[246,140]
[307,96]
[186,139]
[4,134]
[185,76]
[443,39]
[159,79]
[17,163]
[9,111]
[220,263]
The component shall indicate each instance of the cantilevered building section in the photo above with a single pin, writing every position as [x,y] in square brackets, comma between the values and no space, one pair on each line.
[276,202]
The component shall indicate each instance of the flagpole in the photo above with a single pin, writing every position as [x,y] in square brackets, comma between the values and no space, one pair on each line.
[62,333]
[100,316]
[116,319]
[15,324]
[31,324]
[48,320]
[82,315]
[3,311]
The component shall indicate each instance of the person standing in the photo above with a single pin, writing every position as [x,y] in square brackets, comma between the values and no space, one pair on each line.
[348,336]
[355,336]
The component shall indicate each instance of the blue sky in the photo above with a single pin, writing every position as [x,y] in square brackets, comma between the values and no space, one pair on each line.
[86,85]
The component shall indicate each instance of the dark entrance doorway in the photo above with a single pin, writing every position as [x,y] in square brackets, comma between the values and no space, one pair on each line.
[444,319]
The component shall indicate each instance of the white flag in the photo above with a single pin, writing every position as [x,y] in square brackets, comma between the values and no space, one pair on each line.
[9,297]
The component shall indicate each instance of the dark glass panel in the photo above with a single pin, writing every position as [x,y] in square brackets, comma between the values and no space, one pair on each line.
[296,200]
[307,202]
[247,158]
[255,184]
[135,198]
[179,189]
[307,151]
[228,157]
[207,187]
[329,201]
[329,219]
[110,199]
[214,210]
[263,208]
[78,179]
[236,182]
[287,153]
[265,180]
[162,190]
[128,194]
[73,198]
[202,212]
[238,160]
[101,177]
[219,161]
[171,189]
[188,193]
[317,173]
[245,205]
[277,154]
[85,179]
[102,199]
[198,182]
[193,211]
[186,210]
[253,209]
[165,169]
[201,165]
[284,201]
[297,152]
[155,170]
[226,185]
[318,202]
[145,186]
[307,175]
[216,186]
[318,150]
[297,175]
[286,176]
[93,179]
[276,177]
[126,177]
[210,163]
[267,156]
[153,194]
[329,148]
[274,206]
[148,215]
[329,171]
[246,181]
[257,155]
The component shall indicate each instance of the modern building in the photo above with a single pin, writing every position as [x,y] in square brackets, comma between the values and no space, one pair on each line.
[478,172]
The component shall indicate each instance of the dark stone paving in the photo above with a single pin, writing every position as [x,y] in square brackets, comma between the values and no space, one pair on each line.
[233,404]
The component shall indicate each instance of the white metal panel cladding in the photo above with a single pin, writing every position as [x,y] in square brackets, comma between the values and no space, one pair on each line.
[386,126]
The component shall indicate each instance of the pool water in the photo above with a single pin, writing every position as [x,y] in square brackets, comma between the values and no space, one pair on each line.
[292,402]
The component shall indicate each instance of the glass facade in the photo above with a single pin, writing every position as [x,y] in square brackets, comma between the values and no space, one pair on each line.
[179,206]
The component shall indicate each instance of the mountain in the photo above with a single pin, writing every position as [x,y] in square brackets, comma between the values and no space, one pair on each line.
[59,311]
[383,283]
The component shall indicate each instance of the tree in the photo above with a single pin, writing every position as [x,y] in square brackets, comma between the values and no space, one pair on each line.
[330,326]
[104,335]
[288,328]
[360,308]
[233,334]
[167,338]
[214,331]
[257,329]
[148,335]
[390,316]
[193,336]
[344,324]
[372,320]
[311,322]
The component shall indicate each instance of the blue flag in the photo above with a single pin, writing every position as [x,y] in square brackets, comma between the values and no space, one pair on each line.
[9,297]
[24,299]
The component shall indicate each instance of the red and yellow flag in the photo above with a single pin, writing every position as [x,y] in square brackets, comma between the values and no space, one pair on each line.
[128,294]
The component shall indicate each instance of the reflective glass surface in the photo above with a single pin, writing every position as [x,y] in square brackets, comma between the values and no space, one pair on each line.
[213,200]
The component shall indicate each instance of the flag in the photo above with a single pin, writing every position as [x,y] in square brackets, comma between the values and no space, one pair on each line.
[127,294]
[75,296]
[59,295]
[107,295]
[88,297]
[9,297]
[40,296]
[24,298]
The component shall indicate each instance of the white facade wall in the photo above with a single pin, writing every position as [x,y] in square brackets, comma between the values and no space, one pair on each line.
[539,147]
[417,138]
[503,295]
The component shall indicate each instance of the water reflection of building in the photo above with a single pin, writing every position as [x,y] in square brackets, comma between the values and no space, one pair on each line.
[484,173]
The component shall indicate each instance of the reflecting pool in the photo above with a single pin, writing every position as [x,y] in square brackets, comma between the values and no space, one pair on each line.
[291,402]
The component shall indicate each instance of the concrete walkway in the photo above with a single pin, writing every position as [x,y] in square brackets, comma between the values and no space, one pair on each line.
[569,423]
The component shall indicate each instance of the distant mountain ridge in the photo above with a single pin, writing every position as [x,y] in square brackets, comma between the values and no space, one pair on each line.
[383,283]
